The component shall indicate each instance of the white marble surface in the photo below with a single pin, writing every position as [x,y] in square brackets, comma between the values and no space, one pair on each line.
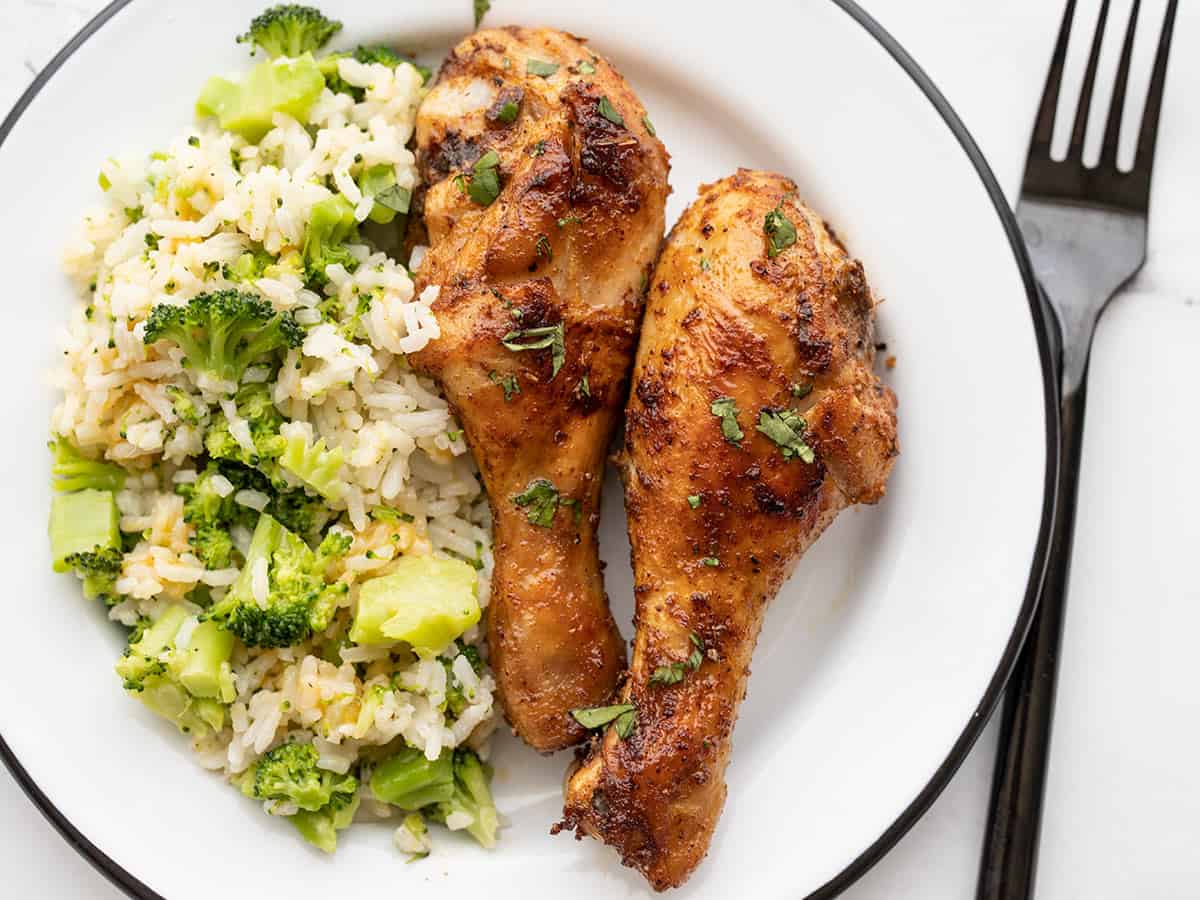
[1124,801]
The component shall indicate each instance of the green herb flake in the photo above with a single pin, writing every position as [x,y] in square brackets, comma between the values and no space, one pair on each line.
[481,7]
[583,389]
[193,141]
[395,198]
[134,214]
[625,724]
[801,389]
[568,220]
[599,716]
[694,501]
[711,561]
[540,68]
[585,67]
[509,383]
[725,408]
[103,181]
[538,149]
[551,336]
[704,264]
[540,500]
[786,429]
[508,112]
[605,108]
[668,675]
[484,185]
[542,247]
[649,126]
[780,231]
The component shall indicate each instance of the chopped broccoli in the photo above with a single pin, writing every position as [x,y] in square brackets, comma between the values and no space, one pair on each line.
[254,404]
[412,837]
[82,522]
[289,86]
[159,674]
[456,699]
[290,30]
[223,332]
[73,471]
[189,409]
[289,773]
[313,463]
[410,781]
[99,569]
[330,225]
[472,797]
[425,602]
[320,828]
[250,266]
[367,56]
[298,512]
[298,600]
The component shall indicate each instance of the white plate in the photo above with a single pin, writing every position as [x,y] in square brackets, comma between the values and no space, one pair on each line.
[881,658]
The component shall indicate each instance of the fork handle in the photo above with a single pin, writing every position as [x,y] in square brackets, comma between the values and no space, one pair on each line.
[1010,846]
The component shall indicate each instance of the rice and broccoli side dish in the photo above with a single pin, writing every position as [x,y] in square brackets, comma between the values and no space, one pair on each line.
[247,473]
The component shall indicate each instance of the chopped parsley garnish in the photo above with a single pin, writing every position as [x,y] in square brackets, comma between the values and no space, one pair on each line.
[583,389]
[585,67]
[539,339]
[454,435]
[509,383]
[725,408]
[541,501]
[649,126]
[540,68]
[542,247]
[780,231]
[193,141]
[694,501]
[710,561]
[481,8]
[801,389]
[484,186]
[704,265]
[605,108]
[395,198]
[673,673]
[624,714]
[568,220]
[538,149]
[508,112]
[786,429]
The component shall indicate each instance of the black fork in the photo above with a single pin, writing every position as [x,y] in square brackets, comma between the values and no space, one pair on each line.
[1086,233]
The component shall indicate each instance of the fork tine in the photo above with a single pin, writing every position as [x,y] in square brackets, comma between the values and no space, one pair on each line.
[1112,130]
[1043,130]
[1082,111]
[1144,159]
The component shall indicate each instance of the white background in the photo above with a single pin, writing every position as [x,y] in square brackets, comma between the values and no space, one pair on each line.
[1123,815]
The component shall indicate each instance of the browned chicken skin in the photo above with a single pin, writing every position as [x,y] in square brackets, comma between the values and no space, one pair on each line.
[567,244]
[724,319]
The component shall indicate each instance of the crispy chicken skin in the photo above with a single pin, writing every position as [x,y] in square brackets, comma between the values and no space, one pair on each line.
[569,241]
[725,320]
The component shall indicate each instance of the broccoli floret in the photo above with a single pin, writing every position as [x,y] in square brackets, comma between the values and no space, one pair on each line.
[99,569]
[298,600]
[82,522]
[187,407]
[73,471]
[254,404]
[212,515]
[298,512]
[331,224]
[290,30]
[289,773]
[223,332]
[367,56]
[188,686]
[250,266]
[472,797]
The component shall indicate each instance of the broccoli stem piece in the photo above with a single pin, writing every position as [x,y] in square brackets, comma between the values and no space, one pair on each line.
[472,797]
[84,522]
[426,602]
[73,471]
[410,781]
[313,463]
[289,86]
[330,225]
[203,667]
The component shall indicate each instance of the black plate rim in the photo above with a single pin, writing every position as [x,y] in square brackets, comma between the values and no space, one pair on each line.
[1043,330]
